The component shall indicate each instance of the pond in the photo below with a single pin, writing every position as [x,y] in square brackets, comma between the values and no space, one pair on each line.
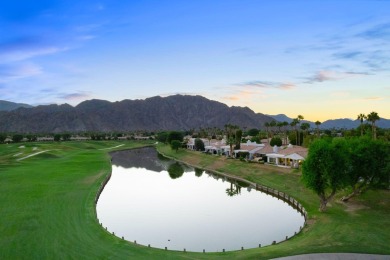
[159,202]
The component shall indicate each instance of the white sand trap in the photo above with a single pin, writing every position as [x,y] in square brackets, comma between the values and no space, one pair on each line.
[31,155]
[112,147]
[22,146]
[35,148]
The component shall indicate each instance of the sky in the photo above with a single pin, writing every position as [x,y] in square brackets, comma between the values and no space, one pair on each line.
[320,59]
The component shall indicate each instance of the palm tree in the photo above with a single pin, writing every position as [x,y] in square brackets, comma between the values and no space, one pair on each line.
[305,127]
[294,125]
[285,124]
[279,125]
[231,136]
[272,125]
[318,127]
[372,117]
[267,125]
[299,118]
[361,117]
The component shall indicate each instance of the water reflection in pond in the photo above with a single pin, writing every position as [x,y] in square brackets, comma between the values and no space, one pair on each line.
[157,201]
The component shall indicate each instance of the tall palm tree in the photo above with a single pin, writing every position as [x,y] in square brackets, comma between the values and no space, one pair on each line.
[372,117]
[285,124]
[305,127]
[318,127]
[299,118]
[272,124]
[294,126]
[361,117]
[267,125]
[279,125]
[231,136]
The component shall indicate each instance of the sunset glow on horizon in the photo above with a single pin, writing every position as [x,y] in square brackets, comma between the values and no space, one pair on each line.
[320,59]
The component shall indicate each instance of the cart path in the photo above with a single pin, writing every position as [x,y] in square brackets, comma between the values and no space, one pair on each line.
[31,155]
[112,147]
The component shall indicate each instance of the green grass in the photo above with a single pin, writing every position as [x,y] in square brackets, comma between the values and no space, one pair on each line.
[48,209]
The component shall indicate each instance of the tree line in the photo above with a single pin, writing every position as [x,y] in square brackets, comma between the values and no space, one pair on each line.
[350,164]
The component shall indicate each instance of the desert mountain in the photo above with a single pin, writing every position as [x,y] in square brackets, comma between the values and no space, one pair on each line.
[176,112]
[342,123]
[8,106]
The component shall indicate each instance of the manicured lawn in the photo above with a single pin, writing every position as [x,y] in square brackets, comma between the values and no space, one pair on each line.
[48,211]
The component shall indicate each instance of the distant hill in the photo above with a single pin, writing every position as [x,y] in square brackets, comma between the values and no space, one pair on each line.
[8,106]
[281,118]
[342,123]
[152,114]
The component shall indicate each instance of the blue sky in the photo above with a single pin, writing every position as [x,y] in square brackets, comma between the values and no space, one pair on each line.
[321,59]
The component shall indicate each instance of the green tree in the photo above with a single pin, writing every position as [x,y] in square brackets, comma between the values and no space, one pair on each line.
[369,162]
[175,145]
[325,169]
[361,117]
[57,137]
[66,137]
[199,145]
[2,138]
[174,135]
[162,137]
[17,138]
[238,136]
[276,141]
[373,117]
[253,132]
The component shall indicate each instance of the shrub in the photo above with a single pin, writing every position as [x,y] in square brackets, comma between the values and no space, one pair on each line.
[276,141]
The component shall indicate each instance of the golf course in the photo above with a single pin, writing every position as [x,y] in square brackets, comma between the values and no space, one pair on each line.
[48,193]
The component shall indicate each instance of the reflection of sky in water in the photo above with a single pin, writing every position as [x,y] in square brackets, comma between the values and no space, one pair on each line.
[192,212]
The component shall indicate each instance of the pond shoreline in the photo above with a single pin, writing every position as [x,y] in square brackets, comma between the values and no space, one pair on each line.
[273,192]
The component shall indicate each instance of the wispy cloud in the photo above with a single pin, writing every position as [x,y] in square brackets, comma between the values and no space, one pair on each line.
[348,55]
[373,98]
[267,85]
[380,31]
[25,48]
[75,96]
[246,96]
[18,71]
[327,75]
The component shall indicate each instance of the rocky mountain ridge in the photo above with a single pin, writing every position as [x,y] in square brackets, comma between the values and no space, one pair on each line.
[176,112]
[341,123]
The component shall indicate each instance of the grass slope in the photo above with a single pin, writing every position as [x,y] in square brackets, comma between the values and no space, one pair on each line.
[48,209]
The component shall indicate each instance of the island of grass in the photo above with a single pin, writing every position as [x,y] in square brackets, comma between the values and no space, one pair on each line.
[48,207]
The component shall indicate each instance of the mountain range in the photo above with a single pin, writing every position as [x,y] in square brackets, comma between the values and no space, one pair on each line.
[178,112]
[8,106]
[152,114]
[341,123]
